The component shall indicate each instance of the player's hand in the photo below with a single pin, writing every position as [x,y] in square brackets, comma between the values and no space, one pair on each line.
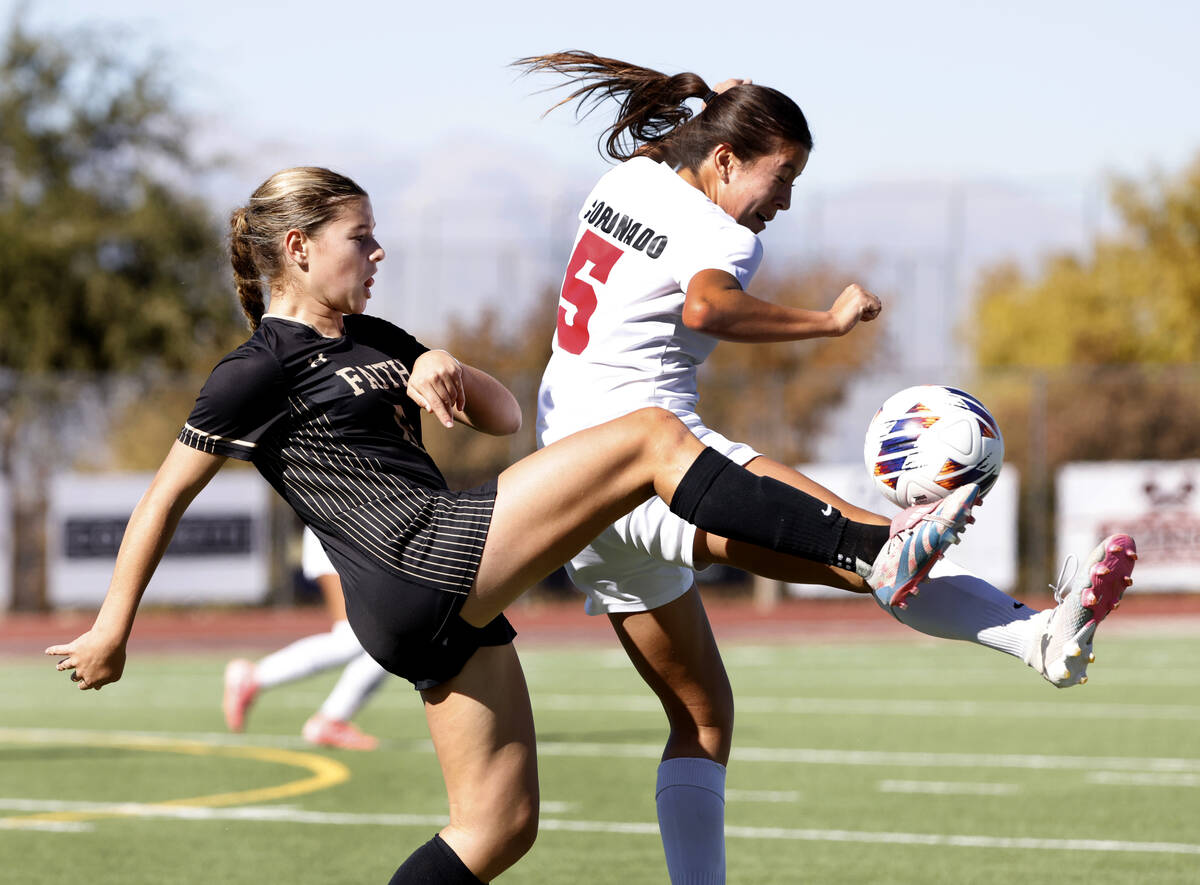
[854,304]
[94,660]
[436,385]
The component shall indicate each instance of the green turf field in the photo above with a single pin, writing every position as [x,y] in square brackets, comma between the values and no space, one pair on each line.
[889,762]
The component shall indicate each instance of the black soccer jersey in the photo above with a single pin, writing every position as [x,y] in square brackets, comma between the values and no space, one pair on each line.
[328,422]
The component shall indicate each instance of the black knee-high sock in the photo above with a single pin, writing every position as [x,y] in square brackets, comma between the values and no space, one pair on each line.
[434,863]
[720,497]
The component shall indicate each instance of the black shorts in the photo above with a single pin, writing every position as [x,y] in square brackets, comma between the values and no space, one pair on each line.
[412,629]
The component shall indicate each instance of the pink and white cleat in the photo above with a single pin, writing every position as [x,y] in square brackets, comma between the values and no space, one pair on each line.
[1061,645]
[240,691]
[325,731]
[920,536]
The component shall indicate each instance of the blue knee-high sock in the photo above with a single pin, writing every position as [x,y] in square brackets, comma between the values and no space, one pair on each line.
[691,818]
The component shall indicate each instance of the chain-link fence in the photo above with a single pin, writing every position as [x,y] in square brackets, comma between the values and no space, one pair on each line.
[87,427]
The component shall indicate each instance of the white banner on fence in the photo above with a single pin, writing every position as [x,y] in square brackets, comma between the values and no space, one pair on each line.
[218,555]
[988,548]
[6,548]
[1157,502]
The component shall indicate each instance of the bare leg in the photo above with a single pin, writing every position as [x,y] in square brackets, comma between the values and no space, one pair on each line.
[673,649]
[550,504]
[482,729]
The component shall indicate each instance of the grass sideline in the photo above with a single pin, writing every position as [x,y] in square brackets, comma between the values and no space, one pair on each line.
[854,761]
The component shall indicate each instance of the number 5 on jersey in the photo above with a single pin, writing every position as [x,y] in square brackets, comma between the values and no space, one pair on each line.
[588,268]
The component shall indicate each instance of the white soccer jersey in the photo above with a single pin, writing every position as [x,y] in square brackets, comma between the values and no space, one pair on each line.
[620,343]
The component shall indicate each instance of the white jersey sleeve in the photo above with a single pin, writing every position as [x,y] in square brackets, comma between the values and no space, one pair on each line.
[620,342]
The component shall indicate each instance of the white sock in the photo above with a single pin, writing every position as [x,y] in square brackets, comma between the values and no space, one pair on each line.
[691,819]
[955,604]
[309,655]
[358,681]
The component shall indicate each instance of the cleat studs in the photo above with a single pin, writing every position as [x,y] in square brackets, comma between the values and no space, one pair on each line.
[1083,679]
[1117,604]
[1073,650]
[1103,570]
[1128,581]
[901,605]
[1132,554]
[1091,659]
[915,591]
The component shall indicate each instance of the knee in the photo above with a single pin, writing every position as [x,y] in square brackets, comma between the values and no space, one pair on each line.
[524,829]
[703,726]
[658,427]
[514,832]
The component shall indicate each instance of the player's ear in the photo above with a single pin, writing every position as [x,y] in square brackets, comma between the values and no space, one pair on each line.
[295,248]
[724,161]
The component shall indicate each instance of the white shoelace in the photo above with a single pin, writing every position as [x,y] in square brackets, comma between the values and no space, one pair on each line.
[1062,586]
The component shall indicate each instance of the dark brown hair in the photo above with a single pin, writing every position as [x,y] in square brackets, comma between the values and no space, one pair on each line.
[653,120]
[305,198]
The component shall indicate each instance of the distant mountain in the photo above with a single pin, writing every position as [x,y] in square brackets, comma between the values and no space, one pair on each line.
[471,220]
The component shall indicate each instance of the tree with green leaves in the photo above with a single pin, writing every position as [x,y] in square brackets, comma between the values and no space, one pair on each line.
[108,265]
[1097,357]
[1113,336]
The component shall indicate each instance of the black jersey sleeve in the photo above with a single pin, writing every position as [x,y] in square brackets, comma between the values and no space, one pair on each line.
[243,399]
[387,337]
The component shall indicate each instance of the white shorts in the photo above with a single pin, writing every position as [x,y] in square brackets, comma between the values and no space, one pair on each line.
[314,562]
[645,559]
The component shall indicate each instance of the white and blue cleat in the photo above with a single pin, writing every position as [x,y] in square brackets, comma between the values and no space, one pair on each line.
[920,537]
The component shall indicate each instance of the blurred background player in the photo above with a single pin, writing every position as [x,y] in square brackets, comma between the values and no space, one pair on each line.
[330,726]
[664,253]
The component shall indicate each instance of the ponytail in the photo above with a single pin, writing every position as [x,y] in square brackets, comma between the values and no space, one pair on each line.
[653,120]
[653,103]
[245,273]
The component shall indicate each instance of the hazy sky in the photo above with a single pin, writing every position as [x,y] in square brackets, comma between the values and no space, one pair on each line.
[1030,89]
[945,131]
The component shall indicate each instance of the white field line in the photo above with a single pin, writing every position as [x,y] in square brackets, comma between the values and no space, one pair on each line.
[889,707]
[1143,779]
[891,759]
[774,755]
[948,788]
[292,815]
[763,795]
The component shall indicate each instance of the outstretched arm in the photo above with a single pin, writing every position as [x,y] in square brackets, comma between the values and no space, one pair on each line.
[98,656]
[717,305]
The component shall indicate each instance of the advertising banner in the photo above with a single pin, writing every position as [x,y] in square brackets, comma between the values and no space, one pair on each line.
[218,555]
[1157,502]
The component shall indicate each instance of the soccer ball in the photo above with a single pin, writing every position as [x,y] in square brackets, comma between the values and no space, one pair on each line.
[927,441]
